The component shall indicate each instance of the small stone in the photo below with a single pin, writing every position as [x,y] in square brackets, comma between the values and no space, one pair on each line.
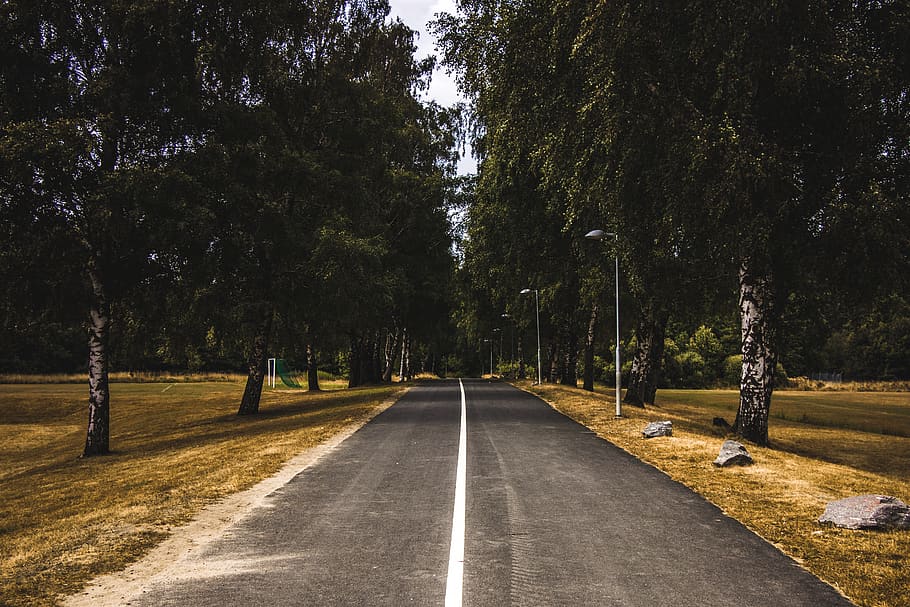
[655,429]
[867,512]
[732,453]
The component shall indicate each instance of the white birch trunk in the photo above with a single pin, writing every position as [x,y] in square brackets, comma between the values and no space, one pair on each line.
[97,439]
[756,306]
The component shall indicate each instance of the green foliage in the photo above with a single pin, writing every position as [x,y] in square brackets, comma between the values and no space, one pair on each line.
[276,156]
[876,346]
[733,369]
[692,369]
[219,163]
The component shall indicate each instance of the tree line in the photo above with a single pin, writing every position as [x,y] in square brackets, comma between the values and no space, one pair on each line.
[750,159]
[201,184]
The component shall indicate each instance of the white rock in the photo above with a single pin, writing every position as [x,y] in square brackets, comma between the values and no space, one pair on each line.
[655,429]
[732,453]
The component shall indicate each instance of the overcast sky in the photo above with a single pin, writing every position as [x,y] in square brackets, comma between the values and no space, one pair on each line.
[416,14]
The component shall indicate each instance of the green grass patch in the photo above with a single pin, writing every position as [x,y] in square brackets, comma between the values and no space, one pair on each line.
[176,448]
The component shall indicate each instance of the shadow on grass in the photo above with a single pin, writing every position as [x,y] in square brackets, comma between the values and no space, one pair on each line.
[848,439]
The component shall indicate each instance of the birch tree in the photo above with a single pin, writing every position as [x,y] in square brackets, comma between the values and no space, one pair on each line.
[91,94]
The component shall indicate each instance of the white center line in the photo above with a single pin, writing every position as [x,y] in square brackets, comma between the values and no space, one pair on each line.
[455,578]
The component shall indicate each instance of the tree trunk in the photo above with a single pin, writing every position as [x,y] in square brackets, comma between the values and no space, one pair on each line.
[391,346]
[756,307]
[355,377]
[249,404]
[97,439]
[405,374]
[649,352]
[312,369]
[404,347]
[408,371]
[522,373]
[375,373]
[551,361]
[568,372]
[588,383]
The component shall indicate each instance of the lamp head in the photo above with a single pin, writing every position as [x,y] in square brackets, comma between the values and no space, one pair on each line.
[599,234]
[525,291]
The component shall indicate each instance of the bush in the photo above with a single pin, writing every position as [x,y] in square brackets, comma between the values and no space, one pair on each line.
[691,370]
[604,370]
[733,370]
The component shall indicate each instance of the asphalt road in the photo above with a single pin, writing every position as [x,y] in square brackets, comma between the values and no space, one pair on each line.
[554,516]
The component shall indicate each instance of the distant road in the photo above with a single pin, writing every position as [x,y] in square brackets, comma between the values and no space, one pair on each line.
[553,515]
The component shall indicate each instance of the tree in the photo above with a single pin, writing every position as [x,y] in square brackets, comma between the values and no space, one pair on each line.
[91,97]
[780,141]
[520,232]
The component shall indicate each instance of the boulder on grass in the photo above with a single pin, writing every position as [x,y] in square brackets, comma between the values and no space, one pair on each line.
[655,429]
[868,512]
[732,453]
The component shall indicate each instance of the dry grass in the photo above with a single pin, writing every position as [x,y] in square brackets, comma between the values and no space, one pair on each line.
[804,383]
[177,447]
[326,381]
[121,377]
[784,493]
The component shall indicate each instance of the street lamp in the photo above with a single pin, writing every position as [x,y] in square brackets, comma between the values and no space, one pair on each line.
[599,235]
[537,309]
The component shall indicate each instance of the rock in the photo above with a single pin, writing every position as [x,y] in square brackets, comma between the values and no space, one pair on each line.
[868,512]
[655,429]
[732,453]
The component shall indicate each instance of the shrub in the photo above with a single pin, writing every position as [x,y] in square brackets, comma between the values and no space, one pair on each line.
[691,369]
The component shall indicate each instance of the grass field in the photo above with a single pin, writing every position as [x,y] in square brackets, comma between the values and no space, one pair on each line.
[825,446]
[176,448]
[179,446]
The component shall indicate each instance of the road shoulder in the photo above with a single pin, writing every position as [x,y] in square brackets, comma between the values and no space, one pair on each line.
[172,555]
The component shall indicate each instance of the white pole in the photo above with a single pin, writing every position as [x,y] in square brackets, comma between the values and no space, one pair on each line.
[618,371]
[272,370]
[537,308]
[599,235]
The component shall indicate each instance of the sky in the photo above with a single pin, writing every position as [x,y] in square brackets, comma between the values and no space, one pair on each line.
[416,14]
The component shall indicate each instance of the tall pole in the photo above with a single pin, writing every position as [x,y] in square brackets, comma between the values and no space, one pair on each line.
[618,371]
[537,310]
[599,235]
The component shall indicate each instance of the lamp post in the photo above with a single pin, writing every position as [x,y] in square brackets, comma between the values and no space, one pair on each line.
[599,235]
[537,310]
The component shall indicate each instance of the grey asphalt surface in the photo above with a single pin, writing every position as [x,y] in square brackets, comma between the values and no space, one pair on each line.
[555,516]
